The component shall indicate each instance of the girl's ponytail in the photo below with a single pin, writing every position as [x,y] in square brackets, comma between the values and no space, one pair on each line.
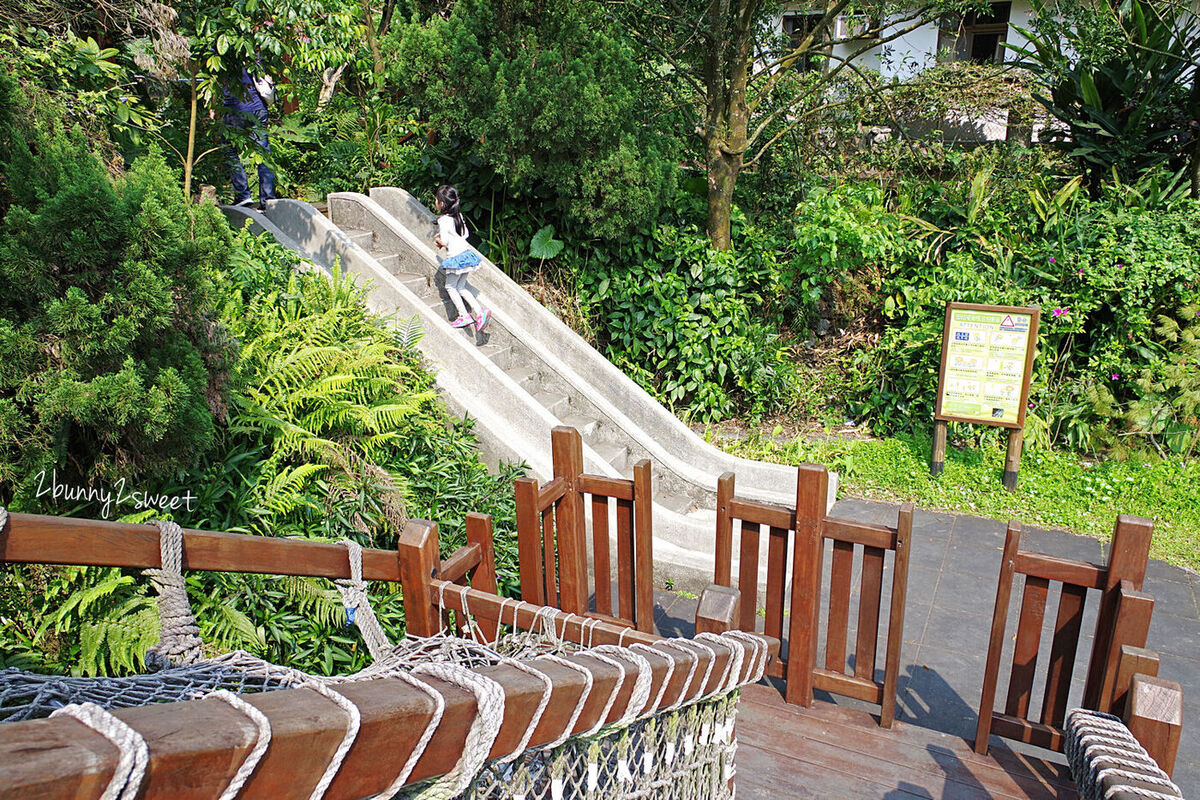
[447,197]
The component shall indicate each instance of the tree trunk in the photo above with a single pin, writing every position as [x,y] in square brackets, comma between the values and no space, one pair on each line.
[722,179]
[191,146]
[372,42]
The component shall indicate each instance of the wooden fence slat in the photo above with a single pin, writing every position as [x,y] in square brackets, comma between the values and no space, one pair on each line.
[567,450]
[777,547]
[991,670]
[724,553]
[1061,667]
[643,547]
[812,489]
[1131,626]
[1127,561]
[531,567]
[1025,651]
[895,641]
[870,597]
[417,551]
[837,627]
[550,559]
[600,554]
[749,540]
[625,556]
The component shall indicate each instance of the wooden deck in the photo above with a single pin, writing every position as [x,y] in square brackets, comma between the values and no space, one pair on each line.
[835,752]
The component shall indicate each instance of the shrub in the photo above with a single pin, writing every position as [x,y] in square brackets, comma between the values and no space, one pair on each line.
[109,362]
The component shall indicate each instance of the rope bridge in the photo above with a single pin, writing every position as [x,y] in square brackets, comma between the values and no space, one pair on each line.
[530,702]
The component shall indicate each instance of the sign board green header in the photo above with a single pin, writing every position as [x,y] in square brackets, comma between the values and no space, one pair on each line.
[987,361]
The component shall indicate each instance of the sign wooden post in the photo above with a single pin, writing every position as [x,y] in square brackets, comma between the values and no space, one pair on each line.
[987,363]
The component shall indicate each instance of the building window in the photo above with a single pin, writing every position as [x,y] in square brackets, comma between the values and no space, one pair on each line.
[975,36]
[798,26]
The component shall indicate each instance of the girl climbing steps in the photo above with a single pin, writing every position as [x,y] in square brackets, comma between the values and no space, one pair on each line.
[460,260]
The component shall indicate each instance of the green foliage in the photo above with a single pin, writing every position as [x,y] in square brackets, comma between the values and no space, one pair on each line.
[547,94]
[683,319]
[1117,77]
[108,359]
[1109,275]
[543,245]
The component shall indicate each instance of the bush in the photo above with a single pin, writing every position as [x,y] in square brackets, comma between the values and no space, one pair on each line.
[1110,275]
[684,320]
[109,359]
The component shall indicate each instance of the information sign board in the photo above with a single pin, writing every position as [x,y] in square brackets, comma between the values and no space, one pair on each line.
[987,362]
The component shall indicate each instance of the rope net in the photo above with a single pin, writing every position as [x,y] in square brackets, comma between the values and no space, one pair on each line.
[683,751]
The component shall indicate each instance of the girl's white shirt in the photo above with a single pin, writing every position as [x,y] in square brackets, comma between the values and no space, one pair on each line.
[455,244]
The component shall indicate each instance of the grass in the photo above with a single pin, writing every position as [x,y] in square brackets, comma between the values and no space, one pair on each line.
[1055,490]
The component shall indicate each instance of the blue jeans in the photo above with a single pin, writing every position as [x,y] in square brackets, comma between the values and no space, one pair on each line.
[257,128]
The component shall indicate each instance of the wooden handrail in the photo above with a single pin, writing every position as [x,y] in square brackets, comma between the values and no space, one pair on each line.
[33,538]
[462,561]
[551,493]
[1055,568]
[196,746]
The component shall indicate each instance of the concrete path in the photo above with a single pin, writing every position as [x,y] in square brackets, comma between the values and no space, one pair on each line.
[954,566]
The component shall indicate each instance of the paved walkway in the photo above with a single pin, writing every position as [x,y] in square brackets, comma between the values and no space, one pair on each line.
[953,569]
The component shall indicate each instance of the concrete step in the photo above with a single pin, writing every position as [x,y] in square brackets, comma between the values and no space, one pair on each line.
[556,404]
[389,261]
[363,239]
[615,454]
[679,503]
[585,425]
[498,354]
[417,284]
[522,374]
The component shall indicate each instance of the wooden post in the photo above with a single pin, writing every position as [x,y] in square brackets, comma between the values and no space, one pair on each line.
[1131,627]
[725,492]
[1127,561]
[529,542]
[479,531]
[567,448]
[891,663]
[1155,718]
[937,458]
[1012,461]
[417,550]
[991,670]
[1133,661]
[643,548]
[812,489]
[717,611]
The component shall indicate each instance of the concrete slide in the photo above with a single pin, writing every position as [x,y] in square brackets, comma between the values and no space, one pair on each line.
[528,372]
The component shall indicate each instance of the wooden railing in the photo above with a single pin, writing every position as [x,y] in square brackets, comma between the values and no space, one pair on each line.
[553,543]
[196,746]
[806,528]
[1118,654]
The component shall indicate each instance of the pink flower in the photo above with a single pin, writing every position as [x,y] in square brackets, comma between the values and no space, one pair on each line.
[1052,261]
[1081,270]
[1116,376]
[1058,312]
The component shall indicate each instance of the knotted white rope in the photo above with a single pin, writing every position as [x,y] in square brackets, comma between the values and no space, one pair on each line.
[612,696]
[3,518]
[358,604]
[489,701]
[179,643]
[693,661]
[712,662]
[641,685]
[435,719]
[762,652]
[262,740]
[134,754]
[733,667]
[547,691]
[352,726]
[588,680]
[662,690]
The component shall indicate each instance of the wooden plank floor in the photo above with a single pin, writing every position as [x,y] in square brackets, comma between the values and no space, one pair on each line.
[834,752]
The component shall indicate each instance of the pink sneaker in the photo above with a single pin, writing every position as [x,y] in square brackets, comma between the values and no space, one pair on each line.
[482,319]
[461,322]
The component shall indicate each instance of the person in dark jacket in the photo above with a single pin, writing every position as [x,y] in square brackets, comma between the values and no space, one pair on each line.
[246,110]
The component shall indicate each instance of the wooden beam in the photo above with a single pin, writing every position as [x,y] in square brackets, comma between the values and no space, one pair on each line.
[717,610]
[724,535]
[1066,570]
[1022,730]
[868,535]
[1133,661]
[529,541]
[1155,718]
[767,514]
[991,670]
[812,492]
[895,640]
[604,486]
[643,547]
[1130,627]
[37,539]
[419,563]
[567,451]
[460,562]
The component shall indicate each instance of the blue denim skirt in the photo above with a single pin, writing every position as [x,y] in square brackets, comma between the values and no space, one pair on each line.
[466,261]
